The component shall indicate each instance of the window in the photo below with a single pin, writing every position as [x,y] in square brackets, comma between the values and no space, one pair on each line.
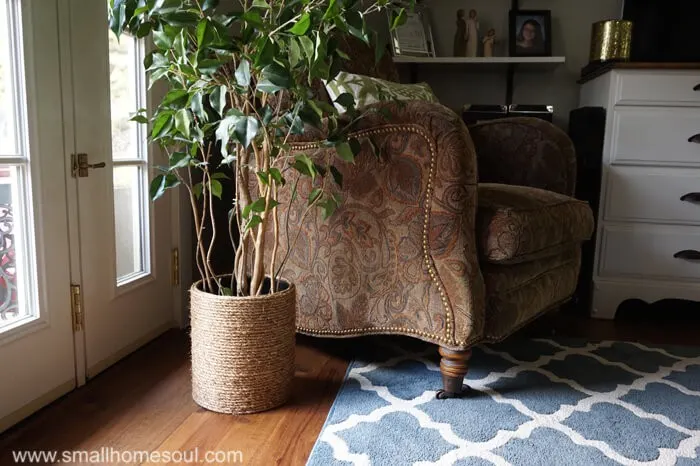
[17,258]
[130,157]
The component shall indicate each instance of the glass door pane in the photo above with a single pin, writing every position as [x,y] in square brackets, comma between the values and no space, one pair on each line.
[130,157]
[17,278]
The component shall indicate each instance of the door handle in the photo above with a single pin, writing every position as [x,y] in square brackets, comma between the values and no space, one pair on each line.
[694,138]
[697,87]
[688,255]
[691,197]
[80,165]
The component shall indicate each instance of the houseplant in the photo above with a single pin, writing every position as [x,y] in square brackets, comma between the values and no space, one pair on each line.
[239,88]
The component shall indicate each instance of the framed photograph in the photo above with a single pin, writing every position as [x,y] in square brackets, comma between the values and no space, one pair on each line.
[415,37]
[530,33]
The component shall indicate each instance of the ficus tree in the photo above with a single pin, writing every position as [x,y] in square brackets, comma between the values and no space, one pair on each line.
[239,85]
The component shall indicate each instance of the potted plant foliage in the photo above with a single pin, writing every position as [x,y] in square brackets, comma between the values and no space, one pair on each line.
[240,80]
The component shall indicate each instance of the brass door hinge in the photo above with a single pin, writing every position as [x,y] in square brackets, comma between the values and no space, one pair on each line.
[76,304]
[175,267]
[80,166]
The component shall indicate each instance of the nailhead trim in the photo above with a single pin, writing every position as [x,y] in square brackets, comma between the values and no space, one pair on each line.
[432,272]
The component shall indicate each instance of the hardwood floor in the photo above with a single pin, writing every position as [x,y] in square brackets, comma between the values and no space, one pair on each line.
[143,402]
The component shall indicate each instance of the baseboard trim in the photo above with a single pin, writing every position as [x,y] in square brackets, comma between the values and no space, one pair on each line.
[95,369]
[36,404]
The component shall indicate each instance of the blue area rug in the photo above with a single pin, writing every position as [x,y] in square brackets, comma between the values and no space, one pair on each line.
[535,402]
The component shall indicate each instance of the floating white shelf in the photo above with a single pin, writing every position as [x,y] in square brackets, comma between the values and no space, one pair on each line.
[478,60]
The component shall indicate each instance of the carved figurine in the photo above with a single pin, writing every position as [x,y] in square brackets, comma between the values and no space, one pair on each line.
[489,41]
[472,34]
[460,45]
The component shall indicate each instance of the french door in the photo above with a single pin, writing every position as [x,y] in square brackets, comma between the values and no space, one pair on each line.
[85,258]
[125,241]
[36,334]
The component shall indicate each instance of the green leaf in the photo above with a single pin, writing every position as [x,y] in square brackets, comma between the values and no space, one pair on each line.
[264,178]
[345,152]
[205,33]
[400,18]
[254,221]
[210,66]
[181,18]
[307,45]
[162,124]
[301,26]
[220,176]
[217,99]
[162,39]
[117,17]
[314,194]
[197,190]
[179,160]
[164,6]
[274,78]
[355,146]
[328,207]
[209,4]
[143,30]
[265,52]
[177,97]
[157,188]
[225,291]
[277,176]
[332,10]
[197,107]
[216,188]
[253,18]
[346,100]
[260,4]
[139,119]
[304,165]
[337,176]
[294,53]
[161,183]
[183,121]
[243,73]
[246,129]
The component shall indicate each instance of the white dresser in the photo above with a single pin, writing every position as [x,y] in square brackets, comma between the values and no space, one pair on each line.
[648,227]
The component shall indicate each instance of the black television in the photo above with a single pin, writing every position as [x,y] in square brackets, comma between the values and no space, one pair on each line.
[664,31]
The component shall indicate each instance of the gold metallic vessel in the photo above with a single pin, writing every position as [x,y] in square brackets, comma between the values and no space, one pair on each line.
[611,40]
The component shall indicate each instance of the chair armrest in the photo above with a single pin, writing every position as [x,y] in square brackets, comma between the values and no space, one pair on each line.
[527,152]
[399,255]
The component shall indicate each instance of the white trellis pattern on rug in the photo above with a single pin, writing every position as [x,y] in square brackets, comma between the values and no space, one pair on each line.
[487,452]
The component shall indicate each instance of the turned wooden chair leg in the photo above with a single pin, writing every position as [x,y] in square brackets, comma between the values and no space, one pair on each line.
[453,367]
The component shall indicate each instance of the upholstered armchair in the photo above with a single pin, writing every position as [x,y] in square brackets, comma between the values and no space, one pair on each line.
[451,235]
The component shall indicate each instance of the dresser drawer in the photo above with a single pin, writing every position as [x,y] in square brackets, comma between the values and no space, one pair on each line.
[673,87]
[661,195]
[656,136]
[649,252]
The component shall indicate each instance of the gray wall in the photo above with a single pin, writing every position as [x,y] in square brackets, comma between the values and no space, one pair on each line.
[456,85]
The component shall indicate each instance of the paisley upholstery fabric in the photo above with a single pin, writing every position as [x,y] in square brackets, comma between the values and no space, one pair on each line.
[399,256]
[518,224]
[518,294]
[527,152]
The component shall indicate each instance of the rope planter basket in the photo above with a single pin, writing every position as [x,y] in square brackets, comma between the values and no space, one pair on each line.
[242,350]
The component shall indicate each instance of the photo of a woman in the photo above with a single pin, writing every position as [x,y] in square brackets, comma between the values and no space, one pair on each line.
[530,39]
[530,32]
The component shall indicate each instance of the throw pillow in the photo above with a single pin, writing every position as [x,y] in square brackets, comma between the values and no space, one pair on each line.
[367,90]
